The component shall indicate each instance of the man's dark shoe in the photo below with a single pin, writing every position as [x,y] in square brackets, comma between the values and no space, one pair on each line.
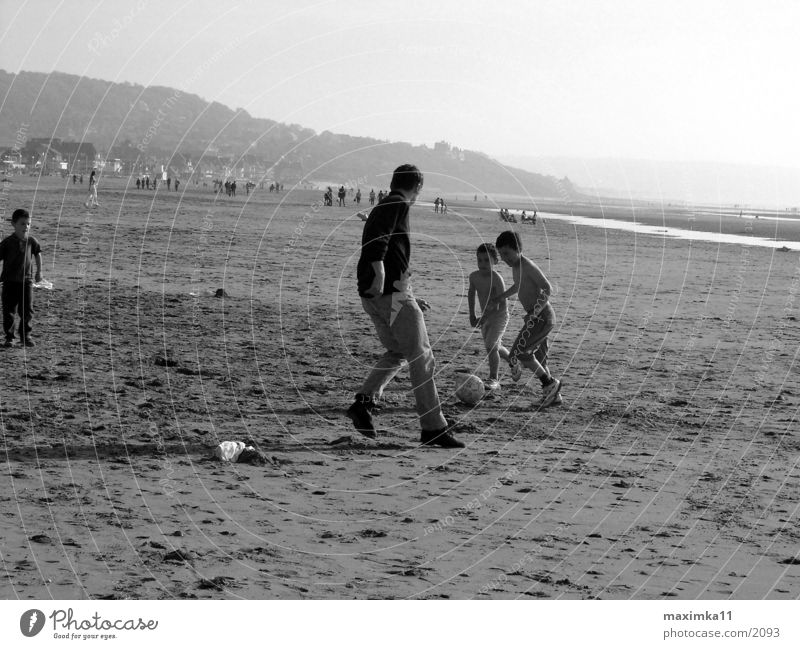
[361,416]
[28,342]
[9,342]
[441,438]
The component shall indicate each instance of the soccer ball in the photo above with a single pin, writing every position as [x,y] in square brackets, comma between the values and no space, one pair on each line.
[470,389]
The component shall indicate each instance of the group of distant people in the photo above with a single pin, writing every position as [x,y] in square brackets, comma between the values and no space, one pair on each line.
[145,183]
[439,204]
[524,217]
[229,186]
[341,194]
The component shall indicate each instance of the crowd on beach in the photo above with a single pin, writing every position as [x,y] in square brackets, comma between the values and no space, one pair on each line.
[229,186]
[385,291]
[524,217]
[343,192]
[144,182]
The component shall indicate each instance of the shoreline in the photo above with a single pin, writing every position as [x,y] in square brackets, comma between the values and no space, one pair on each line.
[763,227]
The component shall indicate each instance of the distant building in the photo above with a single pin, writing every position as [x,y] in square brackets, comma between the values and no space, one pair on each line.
[11,160]
[79,157]
[39,154]
[127,159]
[52,155]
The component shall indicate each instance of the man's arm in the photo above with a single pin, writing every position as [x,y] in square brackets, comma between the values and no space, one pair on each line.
[38,258]
[377,233]
[376,288]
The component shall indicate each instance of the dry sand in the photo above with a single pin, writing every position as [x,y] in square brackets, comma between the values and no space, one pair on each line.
[670,471]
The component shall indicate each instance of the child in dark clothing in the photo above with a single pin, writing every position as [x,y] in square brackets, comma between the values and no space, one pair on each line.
[16,251]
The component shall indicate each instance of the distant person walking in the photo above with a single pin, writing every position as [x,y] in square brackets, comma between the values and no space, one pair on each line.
[385,290]
[342,195]
[177,183]
[372,197]
[358,197]
[92,201]
[436,205]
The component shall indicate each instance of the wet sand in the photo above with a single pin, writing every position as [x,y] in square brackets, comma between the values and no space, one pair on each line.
[765,223]
[670,471]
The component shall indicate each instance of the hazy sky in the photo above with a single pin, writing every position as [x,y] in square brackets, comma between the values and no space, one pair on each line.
[671,80]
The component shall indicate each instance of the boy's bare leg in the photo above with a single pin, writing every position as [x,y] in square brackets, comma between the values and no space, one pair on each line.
[535,366]
[530,345]
[533,337]
[494,363]
[492,332]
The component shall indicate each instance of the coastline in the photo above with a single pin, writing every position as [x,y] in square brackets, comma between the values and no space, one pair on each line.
[762,224]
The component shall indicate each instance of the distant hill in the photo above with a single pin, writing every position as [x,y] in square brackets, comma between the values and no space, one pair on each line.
[691,182]
[161,122]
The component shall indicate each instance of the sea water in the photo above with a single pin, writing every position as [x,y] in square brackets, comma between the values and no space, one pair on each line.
[662,231]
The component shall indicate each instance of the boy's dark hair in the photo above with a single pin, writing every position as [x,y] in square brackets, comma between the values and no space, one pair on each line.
[19,214]
[488,249]
[407,177]
[509,239]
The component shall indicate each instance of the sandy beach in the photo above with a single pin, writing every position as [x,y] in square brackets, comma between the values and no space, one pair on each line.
[670,471]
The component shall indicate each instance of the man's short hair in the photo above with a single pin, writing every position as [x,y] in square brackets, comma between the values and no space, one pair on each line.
[509,239]
[488,249]
[406,177]
[20,214]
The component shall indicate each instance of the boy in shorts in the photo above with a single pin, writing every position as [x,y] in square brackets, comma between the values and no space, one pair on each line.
[533,292]
[487,282]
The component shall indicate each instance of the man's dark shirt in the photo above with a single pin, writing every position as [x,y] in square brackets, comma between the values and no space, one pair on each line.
[386,239]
